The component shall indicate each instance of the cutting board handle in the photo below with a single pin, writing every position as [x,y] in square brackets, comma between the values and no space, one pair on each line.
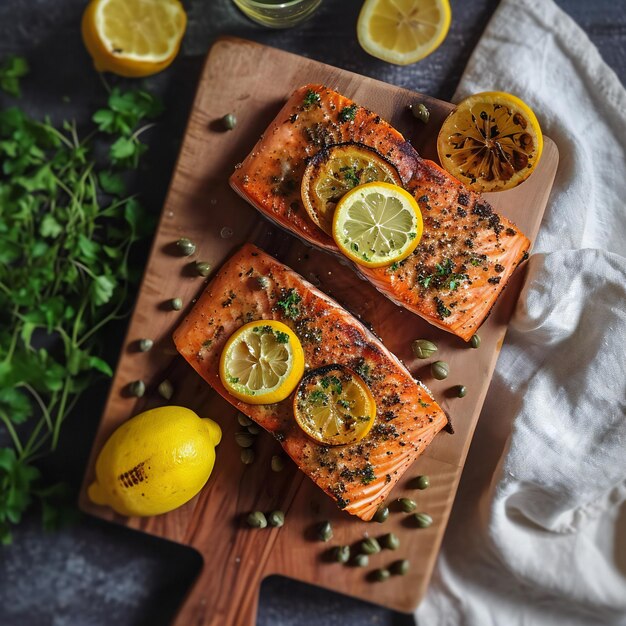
[234,605]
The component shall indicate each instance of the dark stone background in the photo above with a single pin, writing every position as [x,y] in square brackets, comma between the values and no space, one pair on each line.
[97,574]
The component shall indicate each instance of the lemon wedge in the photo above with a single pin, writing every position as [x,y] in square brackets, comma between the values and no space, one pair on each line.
[133,37]
[262,362]
[377,224]
[403,31]
[334,171]
[334,406]
[491,141]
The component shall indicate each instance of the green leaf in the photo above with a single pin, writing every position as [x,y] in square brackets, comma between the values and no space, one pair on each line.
[102,289]
[50,227]
[112,183]
[7,459]
[89,249]
[15,405]
[100,365]
[11,70]
[122,149]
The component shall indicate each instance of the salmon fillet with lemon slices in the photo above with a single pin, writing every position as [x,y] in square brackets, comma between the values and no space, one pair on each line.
[253,286]
[467,251]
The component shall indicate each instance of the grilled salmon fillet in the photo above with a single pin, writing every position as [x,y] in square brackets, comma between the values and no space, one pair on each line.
[467,252]
[358,476]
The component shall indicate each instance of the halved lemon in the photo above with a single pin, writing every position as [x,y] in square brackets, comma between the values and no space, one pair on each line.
[403,31]
[334,171]
[334,406]
[377,224]
[492,141]
[133,37]
[262,362]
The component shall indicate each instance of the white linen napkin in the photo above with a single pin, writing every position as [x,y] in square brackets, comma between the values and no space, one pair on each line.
[537,535]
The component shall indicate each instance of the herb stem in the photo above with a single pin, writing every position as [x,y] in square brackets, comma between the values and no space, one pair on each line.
[40,402]
[11,430]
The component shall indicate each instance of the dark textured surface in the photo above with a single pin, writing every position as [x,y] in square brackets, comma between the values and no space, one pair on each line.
[96,574]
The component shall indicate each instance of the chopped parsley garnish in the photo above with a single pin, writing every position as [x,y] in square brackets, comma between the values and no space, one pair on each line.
[422,403]
[442,309]
[233,379]
[345,404]
[333,382]
[317,396]
[350,175]
[310,98]
[347,114]
[207,343]
[443,277]
[281,337]
[288,304]
[367,474]
[262,329]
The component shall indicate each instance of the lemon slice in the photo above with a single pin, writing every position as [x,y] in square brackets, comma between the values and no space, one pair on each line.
[332,172]
[133,37]
[262,362]
[377,224]
[403,31]
[492,141]
[334,406]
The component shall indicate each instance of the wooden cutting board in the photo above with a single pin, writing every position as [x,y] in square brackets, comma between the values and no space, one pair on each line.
[252,81]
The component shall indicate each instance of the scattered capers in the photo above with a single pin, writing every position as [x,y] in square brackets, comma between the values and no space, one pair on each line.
[382,574]
[254,429]
[256,520]
[420,111]
[423,349]
[243,420]
[461,391]
[370,546]
[229,121]
[421,482]
[361,560]
[325,531]
[475,341]
[244,440]
[407,505]
[341,554]
[247,456]
[277,463]
[381,514]
[400,568]
[263,282]
[390,541]
[202,268]
[276,519]
[176,304]
[145,344]
[185,246]
[166,389]
[423,520]
[137,388]
[440,370]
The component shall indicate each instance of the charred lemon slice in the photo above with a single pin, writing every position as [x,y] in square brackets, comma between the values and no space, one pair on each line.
[262,362]
[377,224]
[334,171]
[334,406]
[492,141]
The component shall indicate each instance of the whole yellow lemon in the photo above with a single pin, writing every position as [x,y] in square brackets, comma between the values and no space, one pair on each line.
[155,462]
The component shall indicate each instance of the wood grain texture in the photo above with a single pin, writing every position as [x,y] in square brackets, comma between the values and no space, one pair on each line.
[252,81]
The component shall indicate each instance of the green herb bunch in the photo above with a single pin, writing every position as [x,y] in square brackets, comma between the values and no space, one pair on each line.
[66,228]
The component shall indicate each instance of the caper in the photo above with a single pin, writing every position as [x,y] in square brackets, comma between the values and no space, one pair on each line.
[423,520]
[461,391]
[381,514]
[176,304]
[185,246]
[370,546]
[256,520]
[423,349]
[254,429]
[341,554]
[263,282]
[475,341]
[390,541]
[401,567]
[325,531]
[229,121]
[421,112]
[202,268]
[166,389]
[421,482]
[277,463]
[407,505]
[276,519]
[247,456]
[243,420]
[137,388]
[440,370]
[361,560]
[145,344]
[244,440]
[382,574]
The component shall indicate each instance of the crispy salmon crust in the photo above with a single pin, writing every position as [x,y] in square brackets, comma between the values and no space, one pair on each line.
[358,476]
[467,252]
